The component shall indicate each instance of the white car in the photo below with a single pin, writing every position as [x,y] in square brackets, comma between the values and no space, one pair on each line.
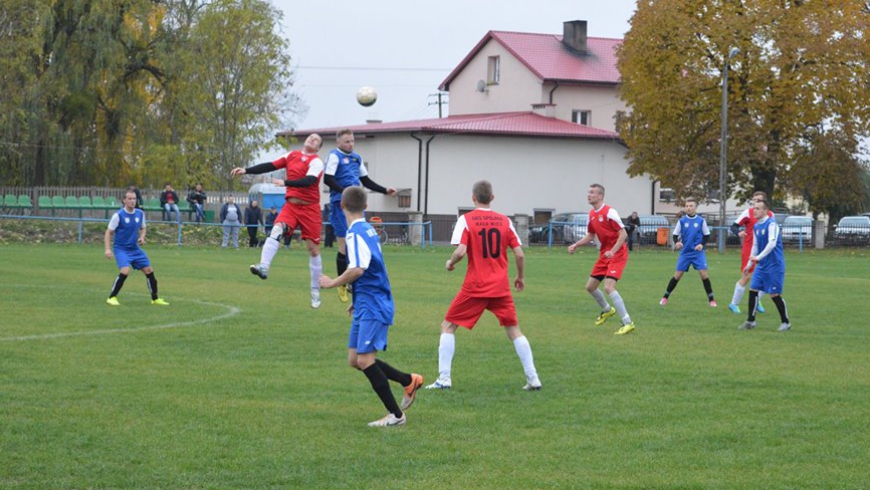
[796,229]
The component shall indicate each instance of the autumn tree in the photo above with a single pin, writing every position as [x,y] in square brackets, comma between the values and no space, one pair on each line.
[797,84]
[104,92]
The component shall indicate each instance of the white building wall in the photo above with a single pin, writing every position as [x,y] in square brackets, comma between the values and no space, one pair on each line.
[602,101]
[528,174]
[517,90]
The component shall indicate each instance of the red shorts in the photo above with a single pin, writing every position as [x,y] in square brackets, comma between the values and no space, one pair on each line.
[466,310]
[305,216]
[611,267]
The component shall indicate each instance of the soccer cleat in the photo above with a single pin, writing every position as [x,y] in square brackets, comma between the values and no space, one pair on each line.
[784,327]
[533,385]
[664,302]
[605,315]
[627,328]
[411,391]
[315,298]
[713,303]
[389,421]
[259,271]
[440,384]
[734,308]
[342,294]
[747,325]
[159,302]
[759,308]
[113,301]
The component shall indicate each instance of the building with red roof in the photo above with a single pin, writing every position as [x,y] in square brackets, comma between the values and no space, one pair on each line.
[532,113]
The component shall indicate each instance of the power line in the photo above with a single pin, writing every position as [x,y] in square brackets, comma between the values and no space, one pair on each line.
[370,68]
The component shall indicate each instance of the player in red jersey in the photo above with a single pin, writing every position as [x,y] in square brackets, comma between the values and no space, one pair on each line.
[604,223]
[485,237]
[747,221]
[304,170]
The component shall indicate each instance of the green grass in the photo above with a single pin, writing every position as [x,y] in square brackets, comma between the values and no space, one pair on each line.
[239,384]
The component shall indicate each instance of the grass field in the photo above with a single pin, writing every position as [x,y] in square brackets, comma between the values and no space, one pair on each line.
[239,384]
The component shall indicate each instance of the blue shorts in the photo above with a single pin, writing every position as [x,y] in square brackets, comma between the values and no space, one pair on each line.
[337,219]
[367,336]
[696,259]
[131,258]
[771,281]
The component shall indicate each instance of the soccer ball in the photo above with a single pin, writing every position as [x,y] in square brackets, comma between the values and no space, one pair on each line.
[366,96]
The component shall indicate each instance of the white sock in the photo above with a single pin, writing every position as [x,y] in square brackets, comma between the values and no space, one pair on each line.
[600,299]
[739,289]
[620,307]
[315,265]
[446,349]
[270,248]
[760,294]
[524,350]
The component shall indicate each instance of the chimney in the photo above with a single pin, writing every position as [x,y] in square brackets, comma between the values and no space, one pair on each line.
[574,36]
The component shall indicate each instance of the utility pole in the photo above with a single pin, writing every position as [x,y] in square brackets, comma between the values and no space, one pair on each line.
[442,99]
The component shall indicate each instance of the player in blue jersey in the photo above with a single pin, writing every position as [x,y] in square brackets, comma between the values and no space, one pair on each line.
[372,310]
[128,228]
[690,238]
[345,168]
[769,261]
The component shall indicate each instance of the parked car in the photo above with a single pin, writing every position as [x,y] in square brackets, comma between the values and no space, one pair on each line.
[567,229]
[853,230]
[796,229]
[649,228]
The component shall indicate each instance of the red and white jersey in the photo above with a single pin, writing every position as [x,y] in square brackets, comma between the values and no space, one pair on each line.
[488,236]
[298,165]
[747,220]
[605,223]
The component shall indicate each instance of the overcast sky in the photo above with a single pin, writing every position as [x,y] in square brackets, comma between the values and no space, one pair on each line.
[405,49]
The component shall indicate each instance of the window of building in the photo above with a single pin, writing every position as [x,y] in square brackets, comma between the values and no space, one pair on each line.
[666,194]
[493,70]
[582,117]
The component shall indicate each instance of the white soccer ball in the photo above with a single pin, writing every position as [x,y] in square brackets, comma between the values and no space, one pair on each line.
[366,96]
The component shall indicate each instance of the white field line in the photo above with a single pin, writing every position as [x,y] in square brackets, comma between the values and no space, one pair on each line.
[231,312]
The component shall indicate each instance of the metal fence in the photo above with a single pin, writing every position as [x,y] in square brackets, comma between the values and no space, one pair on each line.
[92,230]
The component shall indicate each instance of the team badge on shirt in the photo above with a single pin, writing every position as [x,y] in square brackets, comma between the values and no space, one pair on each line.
[126,220]
[601,219]
[696,225]
[345,160]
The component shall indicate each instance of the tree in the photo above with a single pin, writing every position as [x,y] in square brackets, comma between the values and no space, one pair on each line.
[799,76]
[236,74]
[829,175]
[112,91]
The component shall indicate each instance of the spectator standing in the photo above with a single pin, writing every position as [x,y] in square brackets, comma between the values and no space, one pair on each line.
[135,190]
[196,198]
[632,225]
[253,220]
[169,203]
[231,220]
[271,216]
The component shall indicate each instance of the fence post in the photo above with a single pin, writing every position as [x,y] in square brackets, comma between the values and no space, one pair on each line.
[522,223]
[819,229]
[415,228]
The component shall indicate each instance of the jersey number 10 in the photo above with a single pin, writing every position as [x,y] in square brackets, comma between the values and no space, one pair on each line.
[490,242]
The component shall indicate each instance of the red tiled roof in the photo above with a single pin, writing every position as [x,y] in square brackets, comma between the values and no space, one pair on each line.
[546,57]
[504,123]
